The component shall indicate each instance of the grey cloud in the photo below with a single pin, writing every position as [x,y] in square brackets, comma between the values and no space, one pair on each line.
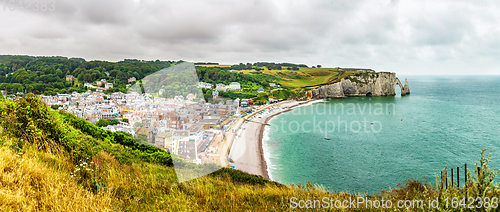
[386,34]
[440,29]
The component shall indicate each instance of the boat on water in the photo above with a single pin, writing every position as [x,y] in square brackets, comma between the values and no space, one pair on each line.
[327,138]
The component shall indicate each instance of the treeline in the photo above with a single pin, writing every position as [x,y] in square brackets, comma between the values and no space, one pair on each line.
[207,63]
[180,79]
[271,66]
[47,75]
[216,75]
[207,94]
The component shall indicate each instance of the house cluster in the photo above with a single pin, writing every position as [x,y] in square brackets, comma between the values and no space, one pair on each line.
[235,86]
[88,105]
[180,125]
[205,85]
[70,78]
[100,85]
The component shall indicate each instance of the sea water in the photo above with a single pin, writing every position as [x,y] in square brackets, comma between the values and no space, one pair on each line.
[377,143]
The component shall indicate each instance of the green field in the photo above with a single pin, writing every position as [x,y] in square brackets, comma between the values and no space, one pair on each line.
[306,77]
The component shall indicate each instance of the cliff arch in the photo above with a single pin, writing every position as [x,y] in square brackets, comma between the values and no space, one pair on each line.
[374,84]
[404,89]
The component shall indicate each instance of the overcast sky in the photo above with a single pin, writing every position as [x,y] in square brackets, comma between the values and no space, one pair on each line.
[407,37]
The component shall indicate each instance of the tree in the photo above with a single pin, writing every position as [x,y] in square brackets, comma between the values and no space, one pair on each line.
[125,120]
[102,123]
[54,107]
[113,122]
[138,124]
[319,66]
[59,73]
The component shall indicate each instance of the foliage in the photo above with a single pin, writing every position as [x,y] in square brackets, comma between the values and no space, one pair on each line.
[144,152]
[138,124]
[180,79]
[37,181]
[483,178]
[47,75]
[215,75]
[234,95]
[54,161]
[238,176]
[268,65]
[105,122]
[102,123]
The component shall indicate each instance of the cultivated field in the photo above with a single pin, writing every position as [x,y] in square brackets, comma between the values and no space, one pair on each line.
[306,77]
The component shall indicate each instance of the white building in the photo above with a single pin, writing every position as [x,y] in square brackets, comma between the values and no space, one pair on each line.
[236,102]
[235,86]
[88,85]
[190,96]
[220,87]
[204,85]
[108,85]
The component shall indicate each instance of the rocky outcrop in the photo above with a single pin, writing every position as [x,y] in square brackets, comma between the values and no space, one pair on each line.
[328,91]
[406,88]
[367,84]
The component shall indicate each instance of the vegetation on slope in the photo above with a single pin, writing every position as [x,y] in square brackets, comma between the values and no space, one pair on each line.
[52,161]
[47,75]
[114,168]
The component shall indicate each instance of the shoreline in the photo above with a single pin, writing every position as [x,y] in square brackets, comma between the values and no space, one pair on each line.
[263,162]
[247,151]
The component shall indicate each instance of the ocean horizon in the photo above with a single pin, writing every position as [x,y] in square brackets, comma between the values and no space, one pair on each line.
[369,144]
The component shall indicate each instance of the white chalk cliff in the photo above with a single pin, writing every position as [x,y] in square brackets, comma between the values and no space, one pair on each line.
[367,84]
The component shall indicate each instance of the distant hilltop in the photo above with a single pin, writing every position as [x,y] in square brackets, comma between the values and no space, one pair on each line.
[366,84]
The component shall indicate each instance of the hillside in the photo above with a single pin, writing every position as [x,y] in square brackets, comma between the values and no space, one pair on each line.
[109,169]
[293,80]
[47,75]
[52,75]
[52,161]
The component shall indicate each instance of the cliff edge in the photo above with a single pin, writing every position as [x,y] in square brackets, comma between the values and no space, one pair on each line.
[367,84]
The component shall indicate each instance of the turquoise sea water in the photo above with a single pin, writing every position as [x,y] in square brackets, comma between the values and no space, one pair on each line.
[445,120]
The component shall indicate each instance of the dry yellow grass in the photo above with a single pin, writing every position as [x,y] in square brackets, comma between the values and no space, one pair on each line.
[28,185]
[40,180]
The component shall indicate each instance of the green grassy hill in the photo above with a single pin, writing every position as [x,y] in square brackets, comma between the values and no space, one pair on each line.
[47,75]
[52,161]
[305,76]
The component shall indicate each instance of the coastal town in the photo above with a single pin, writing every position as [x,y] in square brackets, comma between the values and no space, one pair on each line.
[197,131]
